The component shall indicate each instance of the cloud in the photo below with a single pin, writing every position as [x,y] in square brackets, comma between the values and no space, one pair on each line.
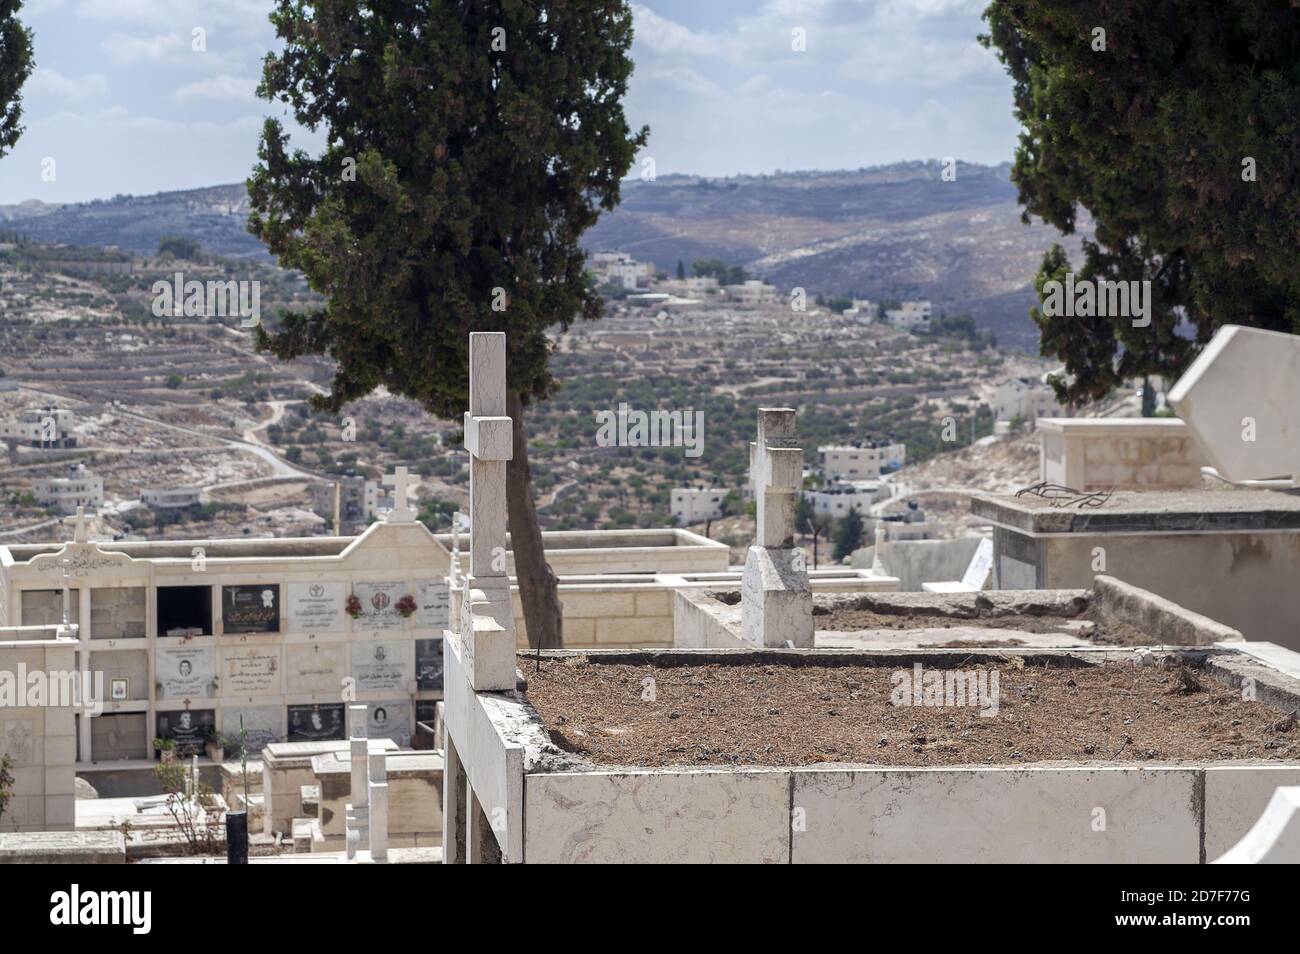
[223,88]
[123,48]
[52,83]
[241,16]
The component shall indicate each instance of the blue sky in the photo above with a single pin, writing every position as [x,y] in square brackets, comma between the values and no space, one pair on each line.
[123,103]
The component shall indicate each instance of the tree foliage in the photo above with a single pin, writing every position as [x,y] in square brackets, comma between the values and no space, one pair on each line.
[1178,130]
[470,143]
[15,66]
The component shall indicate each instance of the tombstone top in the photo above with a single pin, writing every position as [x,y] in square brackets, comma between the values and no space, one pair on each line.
[1239,401]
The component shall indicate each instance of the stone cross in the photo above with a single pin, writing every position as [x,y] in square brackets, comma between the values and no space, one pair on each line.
[378,797]
[357,811]
[776,472]
[79,526]
[399,480]
[66,564]
[775,596]
[487,625]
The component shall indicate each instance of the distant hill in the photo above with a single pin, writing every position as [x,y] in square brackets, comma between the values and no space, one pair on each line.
[214,216]
[892,232]
[895,232]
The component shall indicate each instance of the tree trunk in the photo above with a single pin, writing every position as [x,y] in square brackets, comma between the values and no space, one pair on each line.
[537,583]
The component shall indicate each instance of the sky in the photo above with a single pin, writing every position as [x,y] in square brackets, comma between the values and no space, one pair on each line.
[127,98]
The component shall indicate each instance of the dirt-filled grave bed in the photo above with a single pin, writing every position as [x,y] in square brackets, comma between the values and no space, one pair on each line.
[914,710]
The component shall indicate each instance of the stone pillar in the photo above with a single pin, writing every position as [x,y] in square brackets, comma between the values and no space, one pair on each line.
[487,621]
[776,599]
[357,811]
[378,767]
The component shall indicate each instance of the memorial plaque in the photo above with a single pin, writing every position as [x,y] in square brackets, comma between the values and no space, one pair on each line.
[426,711]
[261,728]
[317,607]
[250,671]
[389,720]
[128,669]
[183,673]
[428,664]
[379,605]
[251,609]
[381,665]
[315,667]
[315,723]
[188,729]
[433,598]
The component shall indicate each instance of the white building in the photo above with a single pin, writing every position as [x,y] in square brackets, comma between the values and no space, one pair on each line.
[910,314]
[80,488]
[701,285]
[836,498]
[359,500]
[861,461]
[164,498]
[40,427]
[863,311]
[1024,398]
[910,525]
[692,505]
[618,268]
[752,292]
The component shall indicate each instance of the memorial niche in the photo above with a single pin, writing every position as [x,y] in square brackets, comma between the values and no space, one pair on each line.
[250,609]
[315,723]
[120,735]
[428,664]
[188,729]
[184,611]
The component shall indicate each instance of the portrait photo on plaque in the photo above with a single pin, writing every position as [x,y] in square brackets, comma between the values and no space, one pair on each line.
[118,689]
[428,664]
[389,720]
[188,728]
[251,608]
[314,723]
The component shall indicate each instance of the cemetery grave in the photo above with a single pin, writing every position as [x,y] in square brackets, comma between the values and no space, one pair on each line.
[788,710]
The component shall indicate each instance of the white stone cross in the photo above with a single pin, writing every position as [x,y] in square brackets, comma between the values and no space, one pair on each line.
[776,472]
[79,526]
[486,627]
[1241,400]
[399,480]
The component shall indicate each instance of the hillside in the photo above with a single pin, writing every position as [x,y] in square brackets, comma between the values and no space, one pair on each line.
[890,232]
